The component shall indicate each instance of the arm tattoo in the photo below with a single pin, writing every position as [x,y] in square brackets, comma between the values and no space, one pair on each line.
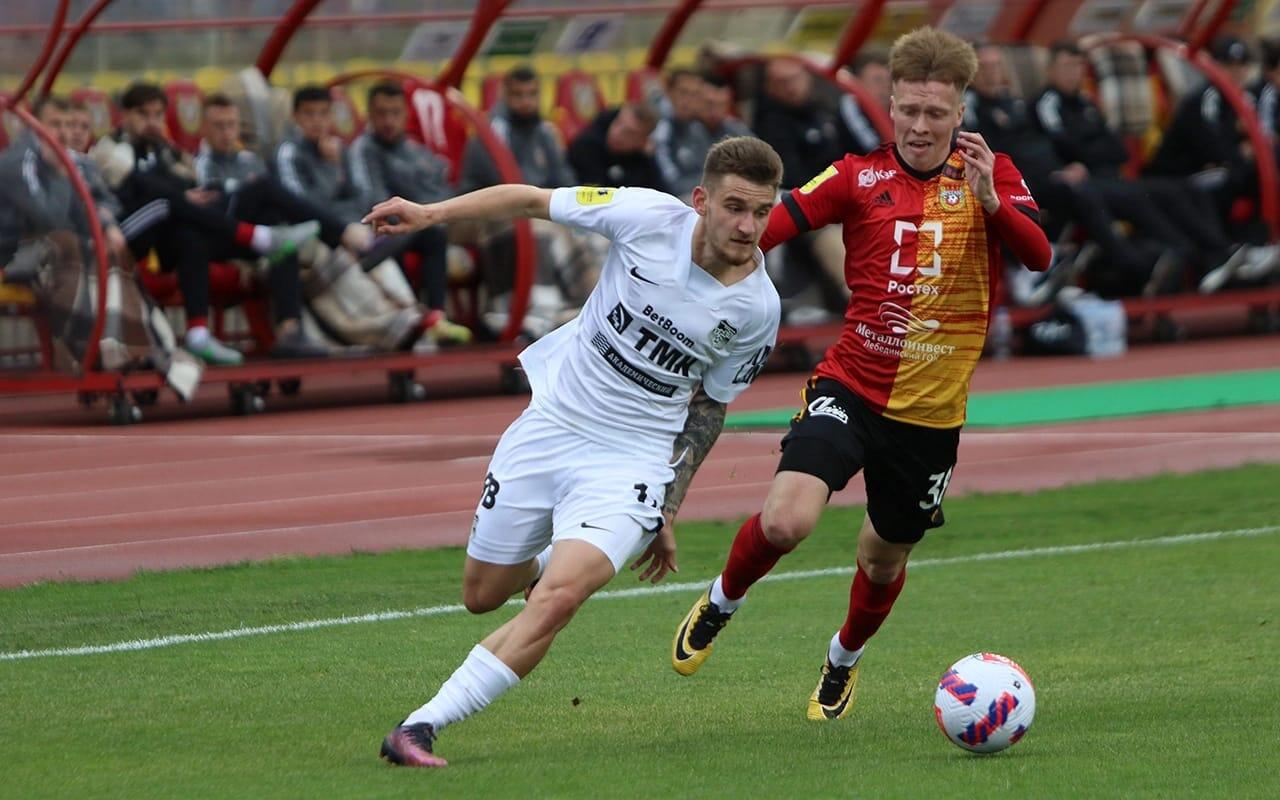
[701,429]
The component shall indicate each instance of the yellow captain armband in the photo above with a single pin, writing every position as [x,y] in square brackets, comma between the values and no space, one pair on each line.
[819,179]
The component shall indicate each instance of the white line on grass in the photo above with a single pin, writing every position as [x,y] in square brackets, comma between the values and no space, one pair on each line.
[642,591]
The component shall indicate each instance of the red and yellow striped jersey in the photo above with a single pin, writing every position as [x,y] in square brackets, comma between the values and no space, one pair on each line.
[922,259]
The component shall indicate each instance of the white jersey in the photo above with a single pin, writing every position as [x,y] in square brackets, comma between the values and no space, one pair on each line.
[622,373]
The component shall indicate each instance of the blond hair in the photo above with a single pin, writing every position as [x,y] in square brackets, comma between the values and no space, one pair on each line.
[928,54]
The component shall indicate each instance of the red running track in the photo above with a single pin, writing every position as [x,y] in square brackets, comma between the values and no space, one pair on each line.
[82,500]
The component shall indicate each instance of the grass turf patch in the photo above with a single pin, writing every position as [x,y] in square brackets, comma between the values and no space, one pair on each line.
[1143,659]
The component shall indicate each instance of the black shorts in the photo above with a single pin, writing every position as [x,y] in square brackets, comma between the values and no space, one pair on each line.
[907,466]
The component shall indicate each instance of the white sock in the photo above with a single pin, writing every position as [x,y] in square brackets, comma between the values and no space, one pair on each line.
[723,603]
[197,335]
[480,680]
[260,242]
[542,559]
[839,656]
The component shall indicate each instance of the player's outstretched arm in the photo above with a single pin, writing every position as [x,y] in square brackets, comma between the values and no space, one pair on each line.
[494,203]
[701,429]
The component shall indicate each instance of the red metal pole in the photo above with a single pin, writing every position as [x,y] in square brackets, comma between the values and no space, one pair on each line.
[1205,35]
[661,46]
[855,34]
[487,13]
[95,227]
[1027,20]
[279,39]
[69,44]
[1188,25]
[51,41]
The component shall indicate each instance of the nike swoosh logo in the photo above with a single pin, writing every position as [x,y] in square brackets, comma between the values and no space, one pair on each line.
[595,527]
[681,653]
[832,713]
[635,273]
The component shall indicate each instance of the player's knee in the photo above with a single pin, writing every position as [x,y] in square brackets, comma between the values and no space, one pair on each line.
[481,599]
[557,604]
[882,568]
[785,529]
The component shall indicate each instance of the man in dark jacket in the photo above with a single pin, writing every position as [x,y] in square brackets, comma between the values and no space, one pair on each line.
[384,163]
[517,122]
[164,210]
[614,149]
[1166,212]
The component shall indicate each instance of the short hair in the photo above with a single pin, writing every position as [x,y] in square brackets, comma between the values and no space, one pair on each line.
[1064,47]
[217,100]
[79,105]
[521,73]
[747,157]
[49,101]
[676,74]
[646,114]
[385,89]
[928,54]
[139,94]
[310,93]
[715,79]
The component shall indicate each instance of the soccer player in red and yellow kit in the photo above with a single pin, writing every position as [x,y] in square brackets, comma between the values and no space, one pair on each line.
[924,221]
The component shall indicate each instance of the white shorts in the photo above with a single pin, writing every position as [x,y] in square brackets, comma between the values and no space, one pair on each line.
[547,483]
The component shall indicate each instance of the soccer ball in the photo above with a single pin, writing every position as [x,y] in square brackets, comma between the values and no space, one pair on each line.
[984,703]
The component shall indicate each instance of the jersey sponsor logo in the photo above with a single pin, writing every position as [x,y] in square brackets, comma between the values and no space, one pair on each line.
[628,370]
[635,273]
[595,196]
[722,334]
[819,179]
[749,371]
[870,176]
[1020,198]
[922,289]
[620,318]
[668,326]
[901,321]
[664,354]
[827,407]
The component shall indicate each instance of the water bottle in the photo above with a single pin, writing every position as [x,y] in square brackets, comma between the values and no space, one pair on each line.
[1001,334]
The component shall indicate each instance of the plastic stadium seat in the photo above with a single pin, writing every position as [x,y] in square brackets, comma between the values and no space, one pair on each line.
[184,112]
[436,126]
[578,101]
[104,117]
[347,122]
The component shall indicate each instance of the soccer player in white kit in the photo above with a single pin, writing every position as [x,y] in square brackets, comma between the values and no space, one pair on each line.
[627,400]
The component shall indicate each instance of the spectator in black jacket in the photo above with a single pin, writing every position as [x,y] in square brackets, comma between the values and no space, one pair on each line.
[164,210]
[791,118]
[1165,212]
[614,150]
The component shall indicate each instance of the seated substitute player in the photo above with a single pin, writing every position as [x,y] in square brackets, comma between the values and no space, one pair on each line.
[595,469]
[924,218]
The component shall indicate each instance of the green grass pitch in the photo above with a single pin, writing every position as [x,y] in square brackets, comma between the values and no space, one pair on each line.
[1154,664]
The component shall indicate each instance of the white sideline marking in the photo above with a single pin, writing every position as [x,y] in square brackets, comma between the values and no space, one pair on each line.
[642,591]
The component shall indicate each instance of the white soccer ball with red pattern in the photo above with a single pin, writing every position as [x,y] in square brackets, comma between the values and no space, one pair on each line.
[985,702]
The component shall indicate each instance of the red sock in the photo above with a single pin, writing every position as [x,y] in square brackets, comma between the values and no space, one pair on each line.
[197,322]
[244,234]
[750,559]
[869,604]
